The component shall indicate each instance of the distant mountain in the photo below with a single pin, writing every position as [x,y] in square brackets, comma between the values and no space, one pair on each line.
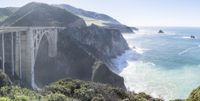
[96,18]
[5,12]
[88,14]
[39,14]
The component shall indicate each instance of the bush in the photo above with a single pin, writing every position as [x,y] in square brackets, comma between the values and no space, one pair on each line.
[195,95]
[21,98]
[4,99]
[56,97]
[4,80]
[16,93]
[98,98]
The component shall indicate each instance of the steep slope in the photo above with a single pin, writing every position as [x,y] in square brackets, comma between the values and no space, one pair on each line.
[96,18]
[108,43]
[39,14]
[76,60]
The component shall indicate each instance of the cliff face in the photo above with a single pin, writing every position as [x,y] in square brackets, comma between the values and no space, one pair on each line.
[108,43]
[75,60]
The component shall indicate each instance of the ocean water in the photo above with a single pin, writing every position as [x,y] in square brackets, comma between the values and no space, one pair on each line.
[164,65]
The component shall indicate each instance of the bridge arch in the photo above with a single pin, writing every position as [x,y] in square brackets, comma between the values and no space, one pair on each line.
[49,35]
[52,40]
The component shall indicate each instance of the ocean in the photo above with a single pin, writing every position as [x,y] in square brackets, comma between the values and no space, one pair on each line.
[164,65]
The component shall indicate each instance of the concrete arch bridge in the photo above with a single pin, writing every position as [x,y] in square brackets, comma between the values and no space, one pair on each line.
[19,46]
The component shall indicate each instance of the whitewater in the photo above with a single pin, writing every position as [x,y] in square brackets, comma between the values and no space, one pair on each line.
[165,65]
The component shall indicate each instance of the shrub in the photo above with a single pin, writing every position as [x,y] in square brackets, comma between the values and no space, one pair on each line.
[21,98]
[56,97]
[4,99]
[195,95]
[4,80]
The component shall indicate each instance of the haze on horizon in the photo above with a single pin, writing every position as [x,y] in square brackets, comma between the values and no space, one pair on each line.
[134,12]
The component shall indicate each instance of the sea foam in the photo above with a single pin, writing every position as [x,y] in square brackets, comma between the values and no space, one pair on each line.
[147,77]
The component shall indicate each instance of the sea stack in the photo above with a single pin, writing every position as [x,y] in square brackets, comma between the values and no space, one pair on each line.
[192,37]
[160,31]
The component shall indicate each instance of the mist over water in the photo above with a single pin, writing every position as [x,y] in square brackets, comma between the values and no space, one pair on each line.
[162,65]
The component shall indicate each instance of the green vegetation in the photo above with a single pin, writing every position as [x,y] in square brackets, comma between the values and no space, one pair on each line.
[4,80]
[2,18]
[18,94]
[195,95]
[90,91]
[72,90]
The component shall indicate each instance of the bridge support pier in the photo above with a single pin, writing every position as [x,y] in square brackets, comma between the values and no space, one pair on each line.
[12,53]
[3,53]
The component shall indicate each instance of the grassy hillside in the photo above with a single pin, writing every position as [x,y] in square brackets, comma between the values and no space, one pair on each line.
[39,14]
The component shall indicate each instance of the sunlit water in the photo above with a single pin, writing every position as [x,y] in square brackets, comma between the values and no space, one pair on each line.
[162,65]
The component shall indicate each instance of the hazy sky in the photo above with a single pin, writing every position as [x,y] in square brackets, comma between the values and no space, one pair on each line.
[135,12]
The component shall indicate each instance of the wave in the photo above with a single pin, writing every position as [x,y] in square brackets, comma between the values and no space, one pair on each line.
[147,77]
[140,50]
[121,61]
[186,37]
[187,50]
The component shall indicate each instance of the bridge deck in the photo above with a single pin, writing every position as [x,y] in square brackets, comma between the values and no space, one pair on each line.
[18,29]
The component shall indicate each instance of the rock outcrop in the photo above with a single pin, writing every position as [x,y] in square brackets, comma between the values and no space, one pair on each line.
[102,74]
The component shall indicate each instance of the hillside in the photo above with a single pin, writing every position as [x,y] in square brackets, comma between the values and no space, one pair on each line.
[96,18]
[39,14]
[6,12]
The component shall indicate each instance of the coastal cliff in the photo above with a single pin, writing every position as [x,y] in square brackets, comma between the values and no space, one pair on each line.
[77,60]
[107,42]
[83,52]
